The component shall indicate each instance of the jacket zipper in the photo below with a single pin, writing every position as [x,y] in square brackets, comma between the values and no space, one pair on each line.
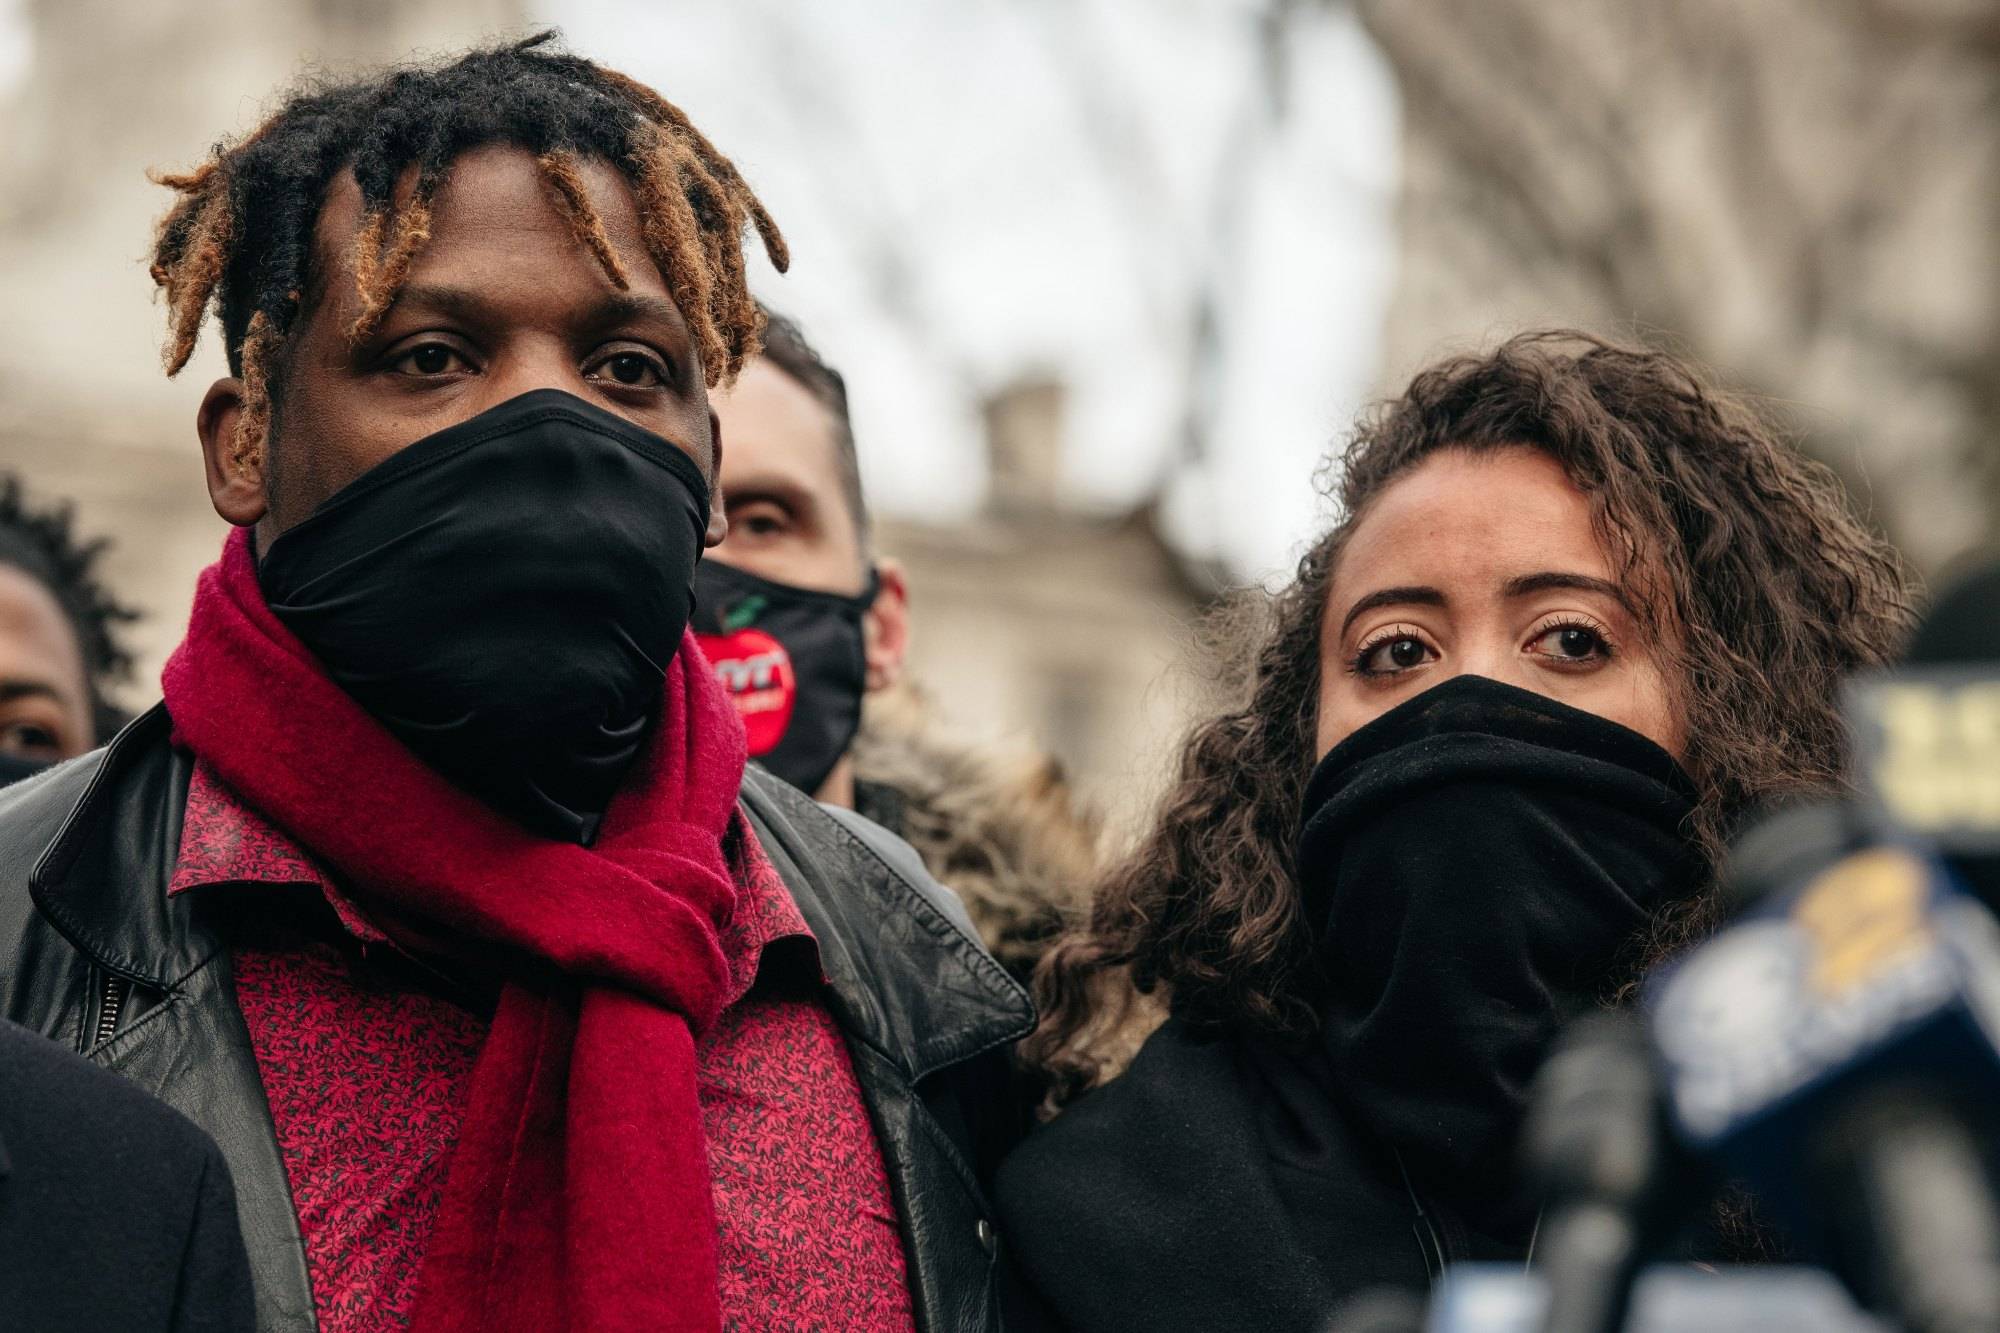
[116,988]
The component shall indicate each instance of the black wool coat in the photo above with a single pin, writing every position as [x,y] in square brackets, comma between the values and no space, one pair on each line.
[1216,1184]
[115,1211]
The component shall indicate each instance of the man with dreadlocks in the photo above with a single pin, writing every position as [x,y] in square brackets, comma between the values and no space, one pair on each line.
[429,891]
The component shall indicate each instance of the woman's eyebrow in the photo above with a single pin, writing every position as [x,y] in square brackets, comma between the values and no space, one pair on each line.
[1529,584]
[1411,596]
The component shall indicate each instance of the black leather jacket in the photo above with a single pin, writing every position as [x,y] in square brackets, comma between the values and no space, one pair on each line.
[94,954]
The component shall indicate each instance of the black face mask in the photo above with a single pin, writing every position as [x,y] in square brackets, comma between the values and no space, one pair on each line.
[14,767]
[793,661]
[1481,863]
[505,596]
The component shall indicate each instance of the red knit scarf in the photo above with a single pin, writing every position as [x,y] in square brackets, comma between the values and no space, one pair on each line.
[578,1197]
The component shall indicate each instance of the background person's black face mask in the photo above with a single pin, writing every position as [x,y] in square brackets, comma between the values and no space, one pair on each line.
[14,767]
[505,596]
[794,662]
[1481,863]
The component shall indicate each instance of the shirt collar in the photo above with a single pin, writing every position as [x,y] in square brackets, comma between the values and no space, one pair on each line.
[765,914]
[225,841]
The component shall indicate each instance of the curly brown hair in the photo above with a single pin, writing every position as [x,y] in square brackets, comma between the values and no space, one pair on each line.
[1737,543]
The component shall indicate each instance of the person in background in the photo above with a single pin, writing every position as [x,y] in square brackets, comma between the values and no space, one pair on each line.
[60,650]
[1579,614]
[436,889]
[794,609]
[804,622]
[115,1211]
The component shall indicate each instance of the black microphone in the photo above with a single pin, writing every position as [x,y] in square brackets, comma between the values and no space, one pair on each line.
[1963,625]
[1927,735]
[1818,1047]
[1910,1209]
[1596,1141]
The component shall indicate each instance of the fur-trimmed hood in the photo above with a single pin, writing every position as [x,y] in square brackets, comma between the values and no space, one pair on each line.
[999,826]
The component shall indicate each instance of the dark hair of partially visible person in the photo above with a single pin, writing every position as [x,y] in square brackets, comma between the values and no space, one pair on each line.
[241,236]
[786,348]
[1732,539]
[42,543]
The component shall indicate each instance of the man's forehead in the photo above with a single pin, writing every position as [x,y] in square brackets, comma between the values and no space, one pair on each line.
[36,638]
[775,428]
[496,188]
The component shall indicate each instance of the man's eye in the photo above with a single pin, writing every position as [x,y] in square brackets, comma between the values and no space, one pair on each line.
[29,740]
[757,519]
[430,359]
[631,370]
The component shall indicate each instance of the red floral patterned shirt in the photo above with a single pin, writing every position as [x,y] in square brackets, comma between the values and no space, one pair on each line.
[366,1058]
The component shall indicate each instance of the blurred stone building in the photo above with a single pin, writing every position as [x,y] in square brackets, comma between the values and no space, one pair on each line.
[1035,623]
[112,90]
[1799,193]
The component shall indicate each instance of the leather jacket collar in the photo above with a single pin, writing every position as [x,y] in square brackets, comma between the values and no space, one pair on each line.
[880,926]
[126,818]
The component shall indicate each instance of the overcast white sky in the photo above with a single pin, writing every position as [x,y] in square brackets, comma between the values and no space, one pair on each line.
[977,189]
[980,188]
[14,47]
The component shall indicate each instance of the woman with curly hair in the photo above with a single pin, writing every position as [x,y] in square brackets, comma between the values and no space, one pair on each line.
[1580,613]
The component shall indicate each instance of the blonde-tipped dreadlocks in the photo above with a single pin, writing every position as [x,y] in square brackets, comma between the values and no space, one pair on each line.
[240,235]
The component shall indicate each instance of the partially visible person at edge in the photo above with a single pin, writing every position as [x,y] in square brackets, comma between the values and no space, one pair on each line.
[115,1212]
[60,649]
[803,620]
[1579,614]
[429,891]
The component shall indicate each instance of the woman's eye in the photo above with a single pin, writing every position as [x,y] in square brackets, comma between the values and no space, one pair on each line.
[430,359]
[1386,657]
[631,370]
[1570,643]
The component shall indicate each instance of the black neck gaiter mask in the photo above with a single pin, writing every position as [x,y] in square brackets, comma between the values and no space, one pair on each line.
[1480,863]
[793,661]
[504,596]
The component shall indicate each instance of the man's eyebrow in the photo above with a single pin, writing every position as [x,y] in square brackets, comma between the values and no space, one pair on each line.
[17,688]
[469,305]
[462,303]
[773,489]
[1410,596]
[637,307]
[1528,584]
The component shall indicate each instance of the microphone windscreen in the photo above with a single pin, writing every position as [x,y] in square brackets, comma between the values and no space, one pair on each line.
[1963,625]
[1784,847]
